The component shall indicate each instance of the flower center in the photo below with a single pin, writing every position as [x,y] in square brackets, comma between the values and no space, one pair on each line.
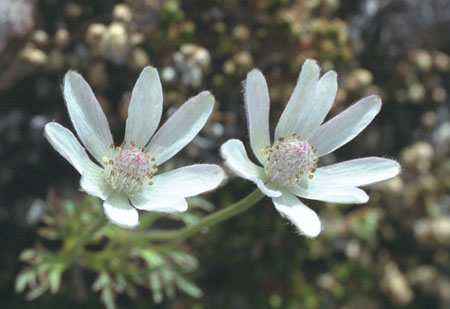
[289,160]
[129,168]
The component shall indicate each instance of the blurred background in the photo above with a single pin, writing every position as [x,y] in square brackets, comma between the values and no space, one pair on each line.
[391,253]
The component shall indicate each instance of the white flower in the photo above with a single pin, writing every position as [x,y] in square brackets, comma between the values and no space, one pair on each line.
[290,163]
[124,177]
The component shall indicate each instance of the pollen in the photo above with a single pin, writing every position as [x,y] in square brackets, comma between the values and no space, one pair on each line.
[289,160]
[129,168]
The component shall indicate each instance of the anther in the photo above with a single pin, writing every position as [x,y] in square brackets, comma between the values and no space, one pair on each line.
[129,169]
[289,160]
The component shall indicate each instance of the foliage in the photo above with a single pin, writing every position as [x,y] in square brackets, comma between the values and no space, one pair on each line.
[123,263]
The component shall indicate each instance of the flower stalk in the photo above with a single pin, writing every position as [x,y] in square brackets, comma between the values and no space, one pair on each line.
[210,220]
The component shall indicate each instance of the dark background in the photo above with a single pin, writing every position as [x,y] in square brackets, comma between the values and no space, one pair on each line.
[391,253]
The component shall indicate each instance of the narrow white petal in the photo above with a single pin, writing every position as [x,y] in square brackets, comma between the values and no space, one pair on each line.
[119,211]
[181,128]
[257,104]
[303,217]
[358,172]
[302,103]
[324,97]
[67,145]
[235,156]
[334,194]
[345,126]
[93,183]
[190,180]
[151,199]
[87,116]
[144,112]
[266,188]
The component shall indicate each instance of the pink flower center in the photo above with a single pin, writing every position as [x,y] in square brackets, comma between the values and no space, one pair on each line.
[129,169]
[289,160]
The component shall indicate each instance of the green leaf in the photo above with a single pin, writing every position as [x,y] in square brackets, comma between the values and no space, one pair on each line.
[23,278]
[121,282]
[131,290]
[69,208]
[48,219]
[48,233]
[186,261]
[54,277]
[36,292]
[102,281]
[200,202]
[156,287]
[108,298]
[187,286]
[167,278]
[188,218]
[152,258]
[43,267]
[27,254]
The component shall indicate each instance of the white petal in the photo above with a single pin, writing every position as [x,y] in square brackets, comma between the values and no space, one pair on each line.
[324,97]
[266,188]
[235,156]
[345,126]
[87,116]
[189,180]
[334,194]
[181,128]
[257,104]
[358,172]
[144,112]
[151,199]
[301,104]
[67,145]
[119,211]
[303,217]
[93,183]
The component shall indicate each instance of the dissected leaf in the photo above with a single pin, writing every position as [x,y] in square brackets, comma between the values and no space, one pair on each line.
[116,274]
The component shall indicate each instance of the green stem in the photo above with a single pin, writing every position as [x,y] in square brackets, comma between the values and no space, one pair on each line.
[205,222]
